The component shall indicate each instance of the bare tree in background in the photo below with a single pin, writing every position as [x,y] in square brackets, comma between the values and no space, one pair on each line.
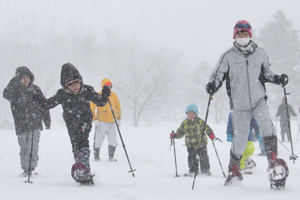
[145,79]
[200,77]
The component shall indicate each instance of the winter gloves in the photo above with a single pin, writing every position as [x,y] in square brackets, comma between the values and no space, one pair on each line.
[281,80]
[211,88]
[212,136]
[105,92]
[173,135]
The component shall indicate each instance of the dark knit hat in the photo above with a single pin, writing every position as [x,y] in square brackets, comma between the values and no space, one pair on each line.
[71,80]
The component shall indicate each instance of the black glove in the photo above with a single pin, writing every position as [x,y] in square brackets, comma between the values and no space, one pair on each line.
[105,92]
[47,127]
[281,80]
[211,88]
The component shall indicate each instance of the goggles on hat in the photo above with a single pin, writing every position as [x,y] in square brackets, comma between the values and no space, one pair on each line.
[247,26]
[107,83]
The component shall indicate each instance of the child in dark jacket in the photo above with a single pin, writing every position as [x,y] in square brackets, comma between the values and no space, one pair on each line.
[192,128]
[75,99]
[28,116]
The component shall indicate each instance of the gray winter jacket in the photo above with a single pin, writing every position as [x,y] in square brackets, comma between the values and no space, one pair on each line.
[245,76]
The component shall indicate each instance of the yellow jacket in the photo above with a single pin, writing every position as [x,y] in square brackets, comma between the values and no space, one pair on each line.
[104,114]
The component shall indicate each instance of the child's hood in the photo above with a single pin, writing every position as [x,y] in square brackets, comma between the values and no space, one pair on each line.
[68,70]
[22,71]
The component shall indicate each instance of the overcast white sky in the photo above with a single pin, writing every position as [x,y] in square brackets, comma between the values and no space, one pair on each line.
[199,29]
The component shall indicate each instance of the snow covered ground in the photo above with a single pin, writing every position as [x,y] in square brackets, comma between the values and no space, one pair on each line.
[149,152]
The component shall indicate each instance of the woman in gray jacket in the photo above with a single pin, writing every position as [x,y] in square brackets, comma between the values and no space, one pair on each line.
[245,67]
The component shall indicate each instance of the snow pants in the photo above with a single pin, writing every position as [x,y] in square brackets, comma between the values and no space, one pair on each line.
[261,144]
[247,153]
[25,142]
[193,161]
[83,156]
[284,129]
[241,121]
[79,137]
[103,129]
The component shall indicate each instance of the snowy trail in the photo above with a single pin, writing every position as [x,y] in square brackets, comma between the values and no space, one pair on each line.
[149,152]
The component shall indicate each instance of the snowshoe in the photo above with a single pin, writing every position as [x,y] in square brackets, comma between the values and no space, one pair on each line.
[250,164]
[205,174]
[234,177]
[278,173]
[243,171]
[23,174]
[32,174]
[189,174]
[81,174]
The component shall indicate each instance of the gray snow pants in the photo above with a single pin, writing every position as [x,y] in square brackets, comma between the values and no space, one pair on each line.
[25,140]
[241,123]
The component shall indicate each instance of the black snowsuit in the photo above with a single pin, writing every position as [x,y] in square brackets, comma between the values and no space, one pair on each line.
[281,112]
[28,115]
[27,112]
[76,111]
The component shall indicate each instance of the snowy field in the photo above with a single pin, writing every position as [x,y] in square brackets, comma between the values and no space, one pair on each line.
[149,152]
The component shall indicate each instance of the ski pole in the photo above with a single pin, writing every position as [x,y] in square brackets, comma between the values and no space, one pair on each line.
[285,146]
[30,157]
[173,142]
[298,128]
[131,170]
[224,176]
[293,156]
[203,131]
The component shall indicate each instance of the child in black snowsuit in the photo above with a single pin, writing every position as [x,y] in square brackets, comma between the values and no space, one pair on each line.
[28,116]
[75,99]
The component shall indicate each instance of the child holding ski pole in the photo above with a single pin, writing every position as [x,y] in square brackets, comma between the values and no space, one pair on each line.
[192,128]
[75,97]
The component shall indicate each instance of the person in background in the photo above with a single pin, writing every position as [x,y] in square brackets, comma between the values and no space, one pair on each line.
[105,123]
[192,128]
[282,114]
[28,116]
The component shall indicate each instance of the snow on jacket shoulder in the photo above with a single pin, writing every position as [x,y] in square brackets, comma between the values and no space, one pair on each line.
[192,130]
[245,76]
[76,107]
[28,114]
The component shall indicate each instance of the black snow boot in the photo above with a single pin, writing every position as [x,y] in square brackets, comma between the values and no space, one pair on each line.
[97,154]
[111,152]
[234,176]
[270,143]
